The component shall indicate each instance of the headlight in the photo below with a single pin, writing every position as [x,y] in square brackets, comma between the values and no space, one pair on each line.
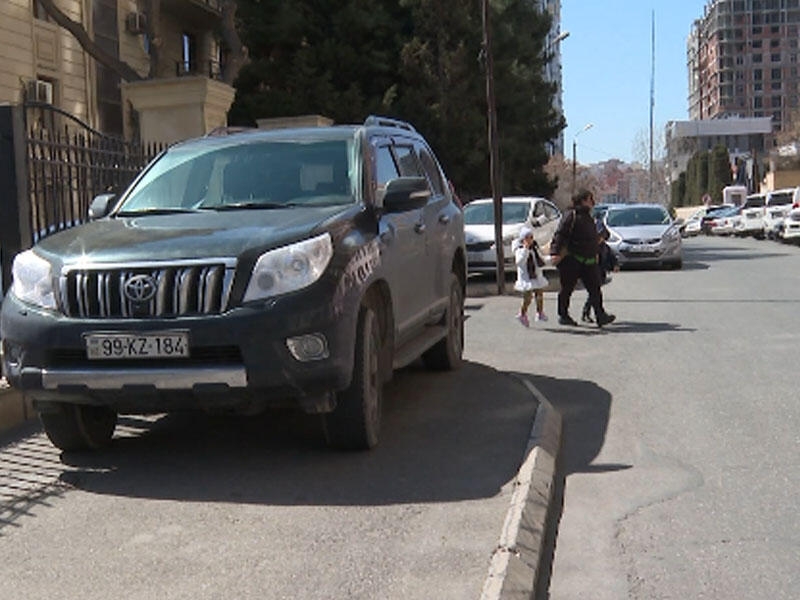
[671,235]
[290,268]
[32,280]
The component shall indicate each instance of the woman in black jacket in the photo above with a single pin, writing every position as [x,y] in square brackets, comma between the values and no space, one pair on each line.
[574,250]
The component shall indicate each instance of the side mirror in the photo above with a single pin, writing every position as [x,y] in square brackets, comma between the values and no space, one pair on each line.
[101,206]
[405,193]
[678,222]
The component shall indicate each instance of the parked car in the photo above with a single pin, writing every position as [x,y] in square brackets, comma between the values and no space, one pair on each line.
[752,216]
[790,227]
[778,204]
[644,234]
[718,223]
[240,272]
[691,226]
[726,222]
[518,211]
[711,213]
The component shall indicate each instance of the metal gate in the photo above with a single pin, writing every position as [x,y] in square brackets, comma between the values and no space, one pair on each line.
[52,165]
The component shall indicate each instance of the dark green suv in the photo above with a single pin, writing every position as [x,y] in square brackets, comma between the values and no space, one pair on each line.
[244,271]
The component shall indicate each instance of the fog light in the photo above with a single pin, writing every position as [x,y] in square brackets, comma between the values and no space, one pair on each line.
[304,348]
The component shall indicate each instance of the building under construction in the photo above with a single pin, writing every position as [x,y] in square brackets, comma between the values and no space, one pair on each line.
[742,60]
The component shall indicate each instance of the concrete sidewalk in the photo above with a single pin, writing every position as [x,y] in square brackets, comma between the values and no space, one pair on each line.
[15,409]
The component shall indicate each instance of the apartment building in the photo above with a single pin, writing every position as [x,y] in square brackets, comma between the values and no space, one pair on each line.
[43,61]
[742,60]
[552,68]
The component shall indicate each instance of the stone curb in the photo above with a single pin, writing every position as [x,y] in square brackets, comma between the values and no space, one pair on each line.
[514,566]
[15,408]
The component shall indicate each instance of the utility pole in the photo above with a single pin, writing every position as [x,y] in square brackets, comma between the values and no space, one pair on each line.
[494,151]
[652,95]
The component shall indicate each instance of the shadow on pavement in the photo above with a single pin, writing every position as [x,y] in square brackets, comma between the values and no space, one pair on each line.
[445,437]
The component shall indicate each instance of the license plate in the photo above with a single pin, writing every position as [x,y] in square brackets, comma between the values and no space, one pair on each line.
[642,248]
[169,344]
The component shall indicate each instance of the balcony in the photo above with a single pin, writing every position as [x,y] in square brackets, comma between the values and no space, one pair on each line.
[202,14]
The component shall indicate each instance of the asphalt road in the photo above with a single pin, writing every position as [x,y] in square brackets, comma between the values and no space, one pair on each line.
[679,465]
[678,473]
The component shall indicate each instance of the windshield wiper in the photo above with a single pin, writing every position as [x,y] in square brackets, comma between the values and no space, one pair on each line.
[249,205]
[154,211]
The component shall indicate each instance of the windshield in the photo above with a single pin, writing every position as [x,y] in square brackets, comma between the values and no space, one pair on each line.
[781,199]
[246,175]
[754,201]
[483,213]
[642,215]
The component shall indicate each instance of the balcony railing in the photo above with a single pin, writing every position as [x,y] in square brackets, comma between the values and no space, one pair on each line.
[209,68]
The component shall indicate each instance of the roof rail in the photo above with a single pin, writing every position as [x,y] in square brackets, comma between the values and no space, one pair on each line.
[387,122]
[228,130]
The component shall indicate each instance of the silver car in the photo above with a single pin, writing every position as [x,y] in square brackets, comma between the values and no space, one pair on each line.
[644,234]
[518,211]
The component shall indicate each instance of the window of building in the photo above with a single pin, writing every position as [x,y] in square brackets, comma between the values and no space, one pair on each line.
[793,43]
[793,101]
[775,57]
[739,60]
[756,58]
[775,73]
[776,102]
[776,85]
[757,102]
[40,13]
[774,43]
[756,30]
[757,87]
[756,43]
[757,74]
[188,54]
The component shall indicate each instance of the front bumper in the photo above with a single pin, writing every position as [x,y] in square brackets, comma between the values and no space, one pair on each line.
[236,359]
[658,254]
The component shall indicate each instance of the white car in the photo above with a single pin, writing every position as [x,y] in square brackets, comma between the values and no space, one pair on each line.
[778,205]
[691,227]
[752,217]
[790,231]
[538,213]
[728,222]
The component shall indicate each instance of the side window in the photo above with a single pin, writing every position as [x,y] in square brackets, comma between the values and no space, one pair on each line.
[385,168]
[551,211]
[407,161]
[538,209]
[432,171]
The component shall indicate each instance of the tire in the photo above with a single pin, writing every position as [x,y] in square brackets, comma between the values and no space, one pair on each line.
[355,423]
[79,427]
[446,354]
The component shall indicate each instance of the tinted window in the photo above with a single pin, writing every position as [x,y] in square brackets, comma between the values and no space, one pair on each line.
[384,166]
[407,161]
[754,201]
[780,199]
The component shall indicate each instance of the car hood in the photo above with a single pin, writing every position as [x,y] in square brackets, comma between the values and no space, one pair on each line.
[181,236]
[641,232]
[485,233]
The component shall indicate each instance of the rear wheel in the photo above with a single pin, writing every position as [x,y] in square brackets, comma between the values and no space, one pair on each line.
[79,427]
[355,423]
[447,354]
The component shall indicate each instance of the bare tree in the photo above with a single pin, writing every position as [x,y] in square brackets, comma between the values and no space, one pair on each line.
[561,169]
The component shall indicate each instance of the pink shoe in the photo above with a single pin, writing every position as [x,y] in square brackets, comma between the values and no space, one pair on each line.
[523,319]
[541,317]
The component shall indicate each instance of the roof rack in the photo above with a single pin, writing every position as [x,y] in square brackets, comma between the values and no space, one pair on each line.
[387,122]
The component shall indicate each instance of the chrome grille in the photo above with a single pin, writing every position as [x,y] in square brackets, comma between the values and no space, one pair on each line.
[181,289]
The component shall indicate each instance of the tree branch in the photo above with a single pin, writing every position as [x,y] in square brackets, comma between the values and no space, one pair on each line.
[121,68]
[238,56]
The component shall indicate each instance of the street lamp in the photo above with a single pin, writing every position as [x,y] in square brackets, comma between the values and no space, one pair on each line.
[574,152]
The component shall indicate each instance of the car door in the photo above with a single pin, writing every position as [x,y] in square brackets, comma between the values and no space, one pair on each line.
[441,218]
[402,247]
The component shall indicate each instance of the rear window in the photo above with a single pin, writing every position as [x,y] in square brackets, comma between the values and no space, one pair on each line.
[755,202]
[645,215]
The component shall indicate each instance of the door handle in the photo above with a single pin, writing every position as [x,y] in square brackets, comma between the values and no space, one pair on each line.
[419,227]
[444,219]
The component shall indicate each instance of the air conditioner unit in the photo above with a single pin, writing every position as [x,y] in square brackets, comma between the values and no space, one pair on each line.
[136,23]
[40,91]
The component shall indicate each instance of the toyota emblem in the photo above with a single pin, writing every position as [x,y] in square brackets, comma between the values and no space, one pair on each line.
[140,288]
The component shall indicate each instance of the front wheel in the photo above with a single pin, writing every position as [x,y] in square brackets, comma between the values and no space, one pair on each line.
[355,423]
[79,427]
[447,353]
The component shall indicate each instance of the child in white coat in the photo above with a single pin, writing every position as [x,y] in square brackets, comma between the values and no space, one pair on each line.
[530,278]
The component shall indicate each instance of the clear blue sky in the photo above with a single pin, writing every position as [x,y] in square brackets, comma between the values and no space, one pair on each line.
[606,72]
